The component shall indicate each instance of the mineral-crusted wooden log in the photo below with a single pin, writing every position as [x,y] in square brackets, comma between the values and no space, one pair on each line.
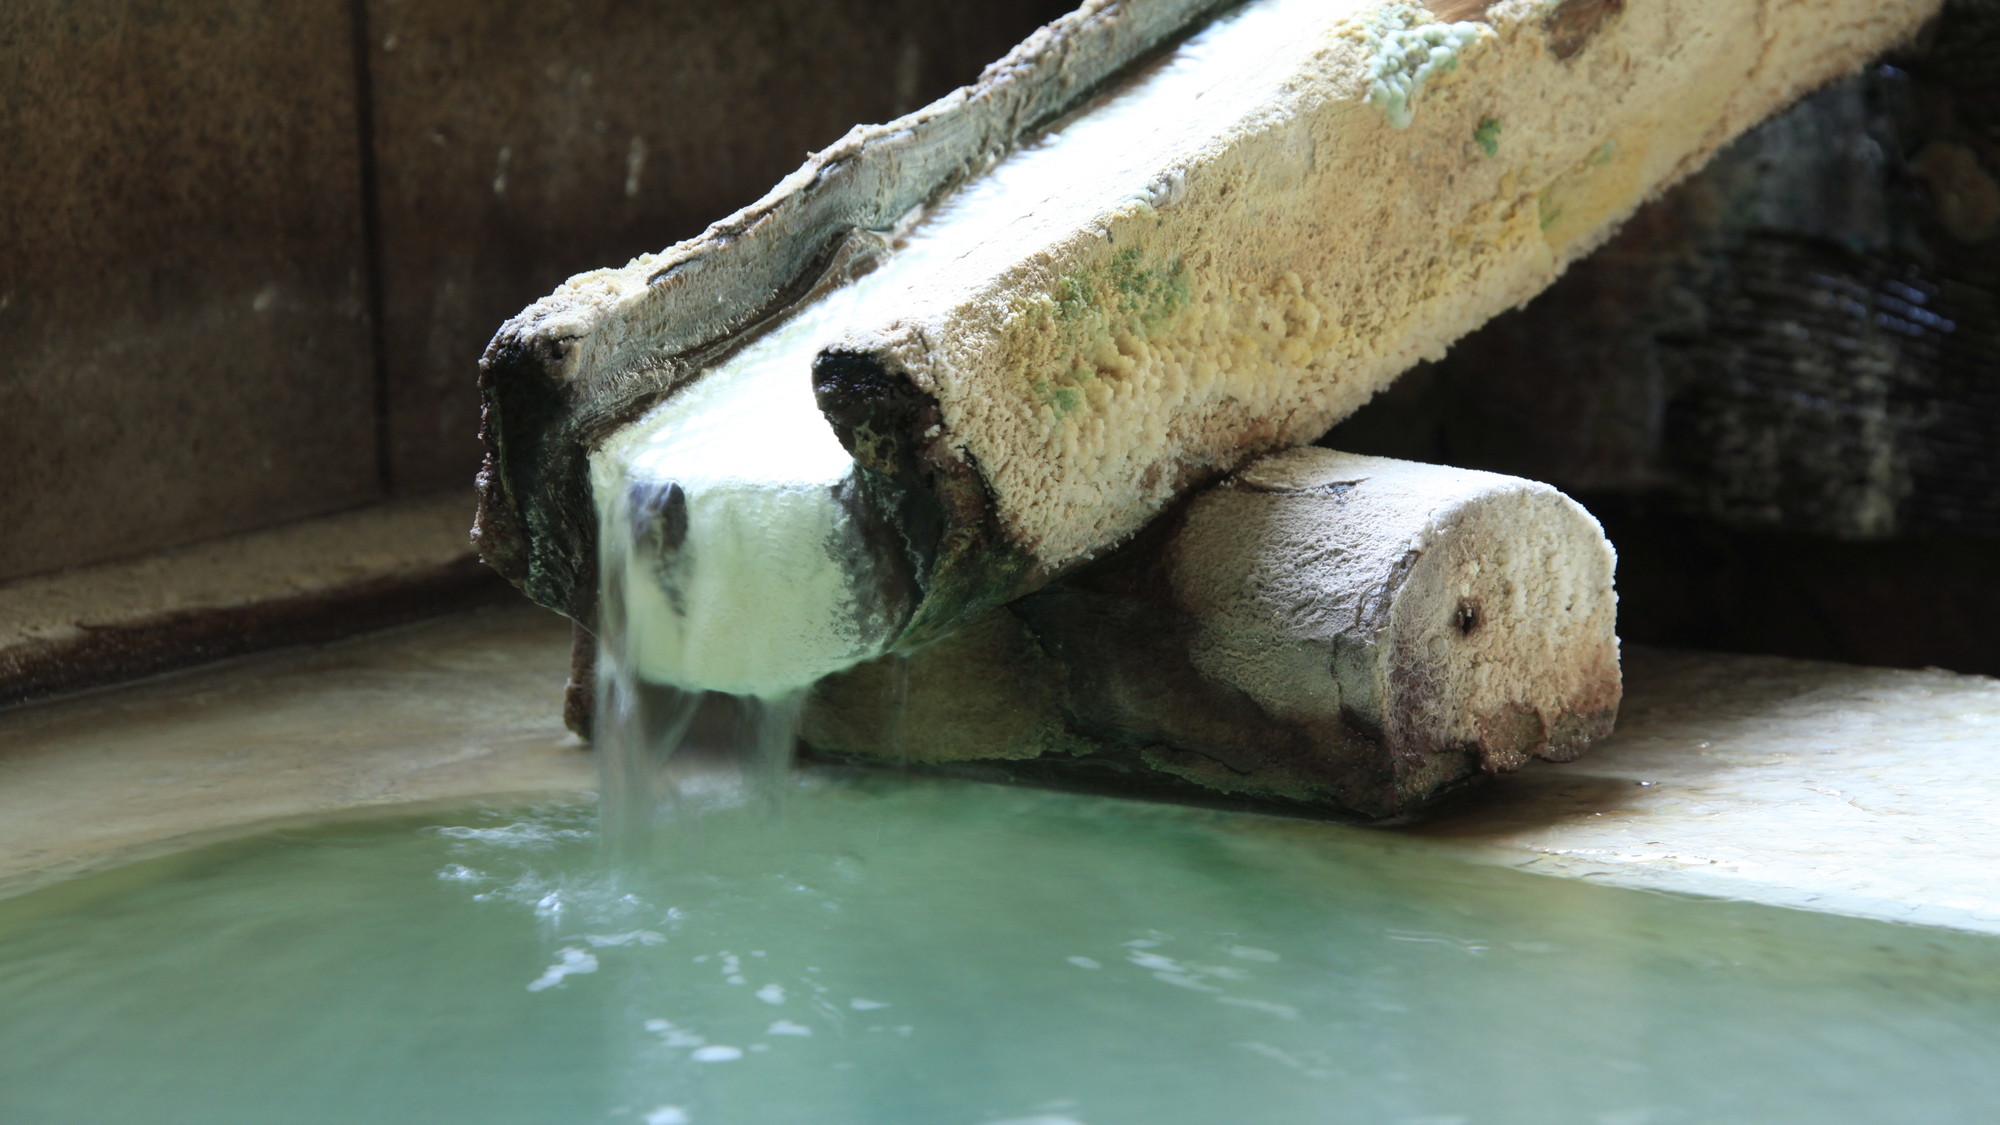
[1252,245]
[1346,633]
[1292,208]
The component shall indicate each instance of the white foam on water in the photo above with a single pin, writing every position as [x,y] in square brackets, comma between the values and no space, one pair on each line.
[673,1036]
[527,834]
[571,962]
[1282,1011]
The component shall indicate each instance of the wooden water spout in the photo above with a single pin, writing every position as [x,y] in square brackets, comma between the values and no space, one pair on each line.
[1055,326]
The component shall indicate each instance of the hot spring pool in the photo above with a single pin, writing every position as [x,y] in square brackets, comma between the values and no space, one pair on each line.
[894,950]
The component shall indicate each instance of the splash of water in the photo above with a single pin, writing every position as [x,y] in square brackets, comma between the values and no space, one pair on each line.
[643,717]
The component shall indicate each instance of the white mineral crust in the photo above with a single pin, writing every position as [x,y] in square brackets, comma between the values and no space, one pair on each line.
[1440,607]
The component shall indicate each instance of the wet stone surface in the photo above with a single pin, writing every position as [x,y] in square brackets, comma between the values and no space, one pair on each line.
[1823,786]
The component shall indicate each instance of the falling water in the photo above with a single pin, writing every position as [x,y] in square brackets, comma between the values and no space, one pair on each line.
[734,560]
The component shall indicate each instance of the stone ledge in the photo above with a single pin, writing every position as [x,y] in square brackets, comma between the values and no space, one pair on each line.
[463,707]
[1861,791]
[304,582]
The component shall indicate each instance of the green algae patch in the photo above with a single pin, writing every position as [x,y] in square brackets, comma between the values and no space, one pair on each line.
[1487,136]
[1063,397]
[1095,313]
[1126,293]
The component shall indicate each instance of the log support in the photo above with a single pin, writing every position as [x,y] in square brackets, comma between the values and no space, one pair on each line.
[1335,633]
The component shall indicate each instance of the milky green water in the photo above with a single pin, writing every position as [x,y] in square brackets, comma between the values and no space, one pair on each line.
[932,952]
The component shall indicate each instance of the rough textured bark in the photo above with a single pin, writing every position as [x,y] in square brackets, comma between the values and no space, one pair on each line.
[1340,633]
[517,142]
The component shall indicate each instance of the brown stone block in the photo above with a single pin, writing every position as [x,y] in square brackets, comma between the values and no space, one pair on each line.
[182,291]
[520,144]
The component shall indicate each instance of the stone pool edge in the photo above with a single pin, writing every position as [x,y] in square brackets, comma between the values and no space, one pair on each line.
[1857,791]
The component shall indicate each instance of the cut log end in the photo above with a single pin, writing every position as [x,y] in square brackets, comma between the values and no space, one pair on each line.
[1347,634]
[1446,620]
